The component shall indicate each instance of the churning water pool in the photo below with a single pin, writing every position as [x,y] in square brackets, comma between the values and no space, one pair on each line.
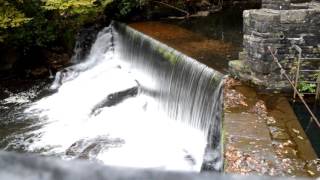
[132,102]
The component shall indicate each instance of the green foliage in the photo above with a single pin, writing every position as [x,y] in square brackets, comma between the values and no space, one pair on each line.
[67,5]
[10,16]
[74,7]
[317,76]
[126,6]
[307,87]
[27,23]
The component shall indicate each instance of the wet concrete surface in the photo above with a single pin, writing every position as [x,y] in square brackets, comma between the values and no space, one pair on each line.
[263,135]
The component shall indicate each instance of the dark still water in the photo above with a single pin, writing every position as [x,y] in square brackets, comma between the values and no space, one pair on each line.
[311,128]
[213,40]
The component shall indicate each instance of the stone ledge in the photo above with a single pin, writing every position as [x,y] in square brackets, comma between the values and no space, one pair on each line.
[241,70]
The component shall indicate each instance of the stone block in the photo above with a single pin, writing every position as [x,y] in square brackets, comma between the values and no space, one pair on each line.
[280,29]
[276,4]
[293,16]
[236,125]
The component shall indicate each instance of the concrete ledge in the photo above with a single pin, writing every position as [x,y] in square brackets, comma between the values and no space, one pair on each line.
[29,167]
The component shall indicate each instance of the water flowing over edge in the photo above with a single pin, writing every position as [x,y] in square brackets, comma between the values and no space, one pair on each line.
[191,91]
[132,65]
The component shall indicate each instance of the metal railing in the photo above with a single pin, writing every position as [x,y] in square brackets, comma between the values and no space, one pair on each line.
[299,70]
[296,91]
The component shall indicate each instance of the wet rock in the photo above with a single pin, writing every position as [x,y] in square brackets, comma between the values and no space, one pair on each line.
[259,109]
[57,61]
[194,6]
[85,39]
[276,4]
[115,98]
[65,75]
[271,121]
[90,148]
[40,72]
[278,133]
[8,58]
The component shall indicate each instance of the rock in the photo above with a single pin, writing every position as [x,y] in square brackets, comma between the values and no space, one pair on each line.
[115,98]
[278,133]
[8,58]
[271,121]
[58,61]
[276,4]
[40,72]
[85,39]
[313,167]
[90,148]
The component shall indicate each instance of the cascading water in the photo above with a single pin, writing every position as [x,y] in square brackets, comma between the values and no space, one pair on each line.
[133,102]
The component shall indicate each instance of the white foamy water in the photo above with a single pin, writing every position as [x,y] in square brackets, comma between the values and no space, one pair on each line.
[149,138]
[19,98]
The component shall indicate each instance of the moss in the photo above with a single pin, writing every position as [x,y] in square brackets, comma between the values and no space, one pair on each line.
[133,34]
[215,80]
[168,55]
[239,67]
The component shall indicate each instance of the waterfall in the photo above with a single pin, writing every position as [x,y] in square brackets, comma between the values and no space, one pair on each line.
[186,89]
[132,102]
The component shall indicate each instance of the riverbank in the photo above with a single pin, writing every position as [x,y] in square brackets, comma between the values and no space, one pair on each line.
[262,133]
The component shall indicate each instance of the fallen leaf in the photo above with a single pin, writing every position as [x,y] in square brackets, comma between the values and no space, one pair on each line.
[296,131]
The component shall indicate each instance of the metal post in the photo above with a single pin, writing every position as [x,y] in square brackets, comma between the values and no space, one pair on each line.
[298,69]
[318,88]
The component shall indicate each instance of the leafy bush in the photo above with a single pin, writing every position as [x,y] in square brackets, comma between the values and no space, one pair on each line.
[10,16]
[27,23]
[126,6]
[307,87]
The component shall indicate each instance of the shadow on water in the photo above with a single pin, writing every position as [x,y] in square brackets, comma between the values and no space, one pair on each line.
[310,127]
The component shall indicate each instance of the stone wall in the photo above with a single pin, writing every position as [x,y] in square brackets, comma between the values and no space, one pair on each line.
[276,4]
[242,3]
[280,27]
